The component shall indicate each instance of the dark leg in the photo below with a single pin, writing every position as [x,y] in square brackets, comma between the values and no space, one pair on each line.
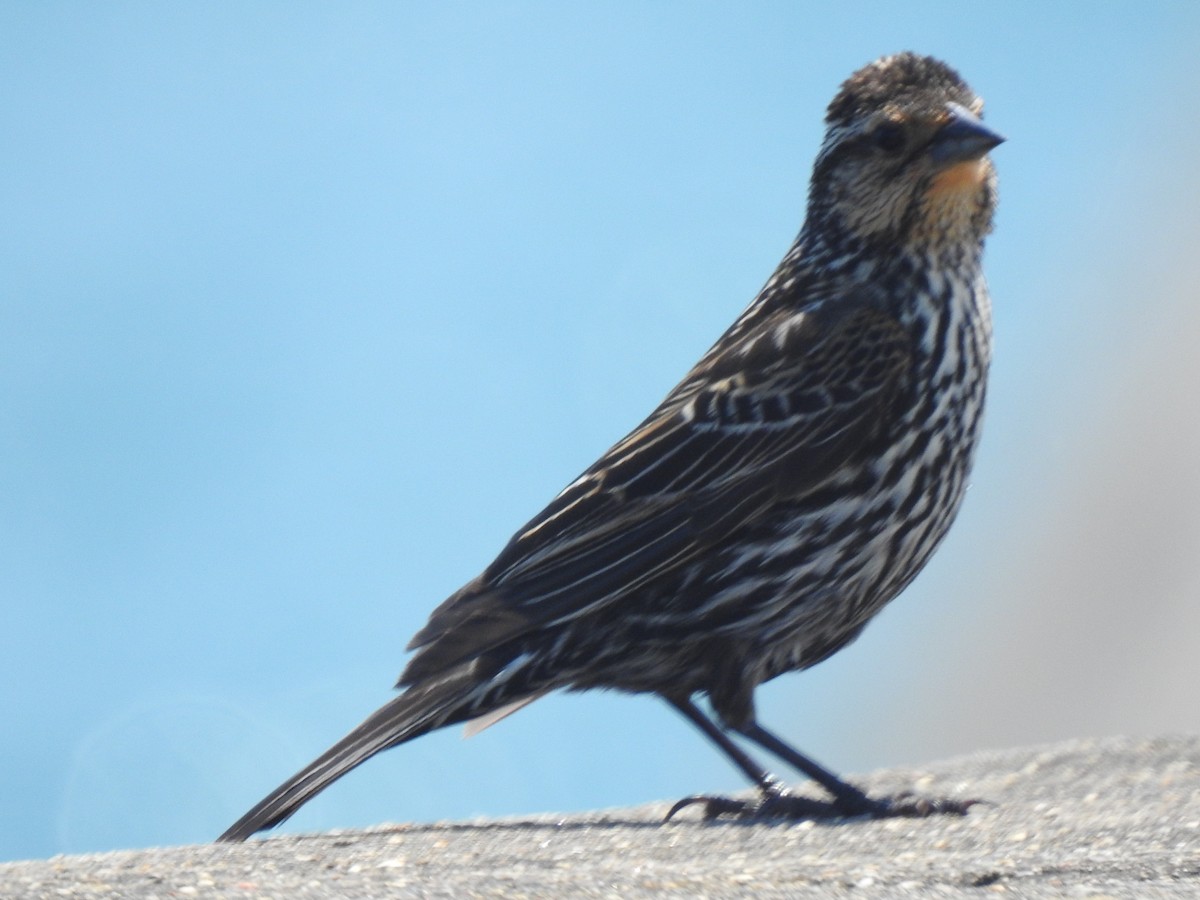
[771,790]
[849,798]
[752,769]
[776,803]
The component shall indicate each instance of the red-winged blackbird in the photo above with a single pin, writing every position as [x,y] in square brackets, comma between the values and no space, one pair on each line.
[794,482]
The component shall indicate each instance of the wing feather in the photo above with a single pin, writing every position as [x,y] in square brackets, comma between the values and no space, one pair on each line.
[772,413]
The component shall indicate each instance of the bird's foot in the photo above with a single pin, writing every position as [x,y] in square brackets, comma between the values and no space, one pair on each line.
[778,804]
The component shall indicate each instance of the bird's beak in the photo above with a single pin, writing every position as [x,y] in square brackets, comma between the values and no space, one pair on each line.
[963,138]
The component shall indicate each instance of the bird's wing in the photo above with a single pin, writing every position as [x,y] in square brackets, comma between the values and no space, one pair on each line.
[768,416]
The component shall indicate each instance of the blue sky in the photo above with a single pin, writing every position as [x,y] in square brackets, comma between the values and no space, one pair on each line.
[305,308]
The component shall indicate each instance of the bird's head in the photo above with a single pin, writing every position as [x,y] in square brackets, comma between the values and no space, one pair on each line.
[905,157]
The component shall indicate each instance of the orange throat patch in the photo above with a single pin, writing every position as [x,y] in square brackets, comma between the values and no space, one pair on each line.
[959,180]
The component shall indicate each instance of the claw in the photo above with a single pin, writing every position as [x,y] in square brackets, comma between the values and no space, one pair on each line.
[714,807]
[775,804]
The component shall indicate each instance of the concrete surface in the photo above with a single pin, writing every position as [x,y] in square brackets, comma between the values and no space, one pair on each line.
[1118,817]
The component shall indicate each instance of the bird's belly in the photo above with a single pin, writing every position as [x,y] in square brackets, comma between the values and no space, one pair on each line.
[849,564]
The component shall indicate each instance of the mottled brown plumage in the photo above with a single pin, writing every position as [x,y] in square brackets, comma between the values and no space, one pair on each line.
[794,482]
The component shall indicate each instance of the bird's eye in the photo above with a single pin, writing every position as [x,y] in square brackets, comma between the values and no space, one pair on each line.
[890,137]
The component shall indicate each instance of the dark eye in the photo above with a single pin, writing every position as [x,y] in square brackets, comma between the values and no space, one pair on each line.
[890,137]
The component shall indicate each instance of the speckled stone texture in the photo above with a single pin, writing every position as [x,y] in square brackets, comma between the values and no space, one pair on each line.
[1118,817]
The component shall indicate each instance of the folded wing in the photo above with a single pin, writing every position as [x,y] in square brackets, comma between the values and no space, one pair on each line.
[769,413]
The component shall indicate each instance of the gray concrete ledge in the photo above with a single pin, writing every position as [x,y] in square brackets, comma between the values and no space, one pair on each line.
[1118,817]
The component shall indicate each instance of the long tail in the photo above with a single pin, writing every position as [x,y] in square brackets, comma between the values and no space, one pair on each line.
[418,710]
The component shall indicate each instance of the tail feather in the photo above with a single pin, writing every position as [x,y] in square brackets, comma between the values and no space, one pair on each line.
[412,714]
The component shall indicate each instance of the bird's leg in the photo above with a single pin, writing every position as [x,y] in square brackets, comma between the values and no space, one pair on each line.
[741,759]
[714,807]
[846,796]
[775,802]
[849,800]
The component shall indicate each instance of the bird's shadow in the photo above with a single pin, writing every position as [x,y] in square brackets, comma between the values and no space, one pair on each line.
[605,823]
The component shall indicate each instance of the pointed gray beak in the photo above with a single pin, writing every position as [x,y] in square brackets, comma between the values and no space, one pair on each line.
[964,137]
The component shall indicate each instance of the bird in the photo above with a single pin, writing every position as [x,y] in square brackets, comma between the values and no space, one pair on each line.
[794,482]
